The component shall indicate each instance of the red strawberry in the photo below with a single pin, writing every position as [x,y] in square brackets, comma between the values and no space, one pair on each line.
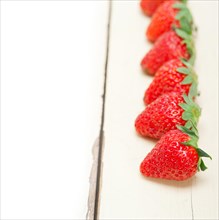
[171,78]
[172,159]
[169,46]
[150,6]
[161,116]
[162,20]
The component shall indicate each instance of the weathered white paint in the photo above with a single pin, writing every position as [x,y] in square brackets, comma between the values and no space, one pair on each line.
[53,56]
[125,193]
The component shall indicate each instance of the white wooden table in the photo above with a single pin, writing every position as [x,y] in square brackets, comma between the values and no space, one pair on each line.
[71,84]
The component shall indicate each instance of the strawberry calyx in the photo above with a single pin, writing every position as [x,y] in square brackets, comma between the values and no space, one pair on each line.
[193,143]
[184,17]
[191,112]
[185,30]
[191,115]
[191,77]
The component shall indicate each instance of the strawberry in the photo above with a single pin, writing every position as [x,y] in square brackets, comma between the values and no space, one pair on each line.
[162,20]
[174,157]
[169,46]
[170,14]
[174,76]
[150,6]
[173,41]
[165,113]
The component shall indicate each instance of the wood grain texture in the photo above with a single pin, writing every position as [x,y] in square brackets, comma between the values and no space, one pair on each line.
[125,193]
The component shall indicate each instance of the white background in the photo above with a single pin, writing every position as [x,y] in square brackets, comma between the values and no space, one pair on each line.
[53,56]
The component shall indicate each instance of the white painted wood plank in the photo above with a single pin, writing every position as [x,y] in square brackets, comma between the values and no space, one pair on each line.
[125,193]
[53,57]
[205,187]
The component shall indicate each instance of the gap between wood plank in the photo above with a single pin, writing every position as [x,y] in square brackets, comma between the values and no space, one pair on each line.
[101,136]
[94,197]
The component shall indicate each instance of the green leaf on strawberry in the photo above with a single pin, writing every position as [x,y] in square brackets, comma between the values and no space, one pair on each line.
[191,115]
[184,70]
[192,111]
[201,165]
[191,78]
[184,17]
[201,153]
[185,31]
[193,142]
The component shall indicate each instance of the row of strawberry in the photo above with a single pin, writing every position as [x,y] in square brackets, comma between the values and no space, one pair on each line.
[171,114]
